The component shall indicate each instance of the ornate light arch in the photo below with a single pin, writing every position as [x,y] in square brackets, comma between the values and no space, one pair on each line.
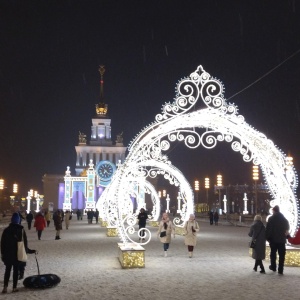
[215,121]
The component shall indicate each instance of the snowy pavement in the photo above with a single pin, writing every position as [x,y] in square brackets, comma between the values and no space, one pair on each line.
[87,262]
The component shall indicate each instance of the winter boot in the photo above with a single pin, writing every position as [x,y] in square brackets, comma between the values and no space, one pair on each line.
[262,269]
[166,253]
[21,275]
[190,254]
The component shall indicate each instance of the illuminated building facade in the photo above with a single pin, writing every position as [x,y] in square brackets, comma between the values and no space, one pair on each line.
[96,163]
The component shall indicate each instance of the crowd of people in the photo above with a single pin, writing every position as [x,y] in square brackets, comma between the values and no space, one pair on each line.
[276,232]
[15,233]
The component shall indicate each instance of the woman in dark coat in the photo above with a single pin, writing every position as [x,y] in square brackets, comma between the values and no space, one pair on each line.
[9,248]
[57,218]
[258,233]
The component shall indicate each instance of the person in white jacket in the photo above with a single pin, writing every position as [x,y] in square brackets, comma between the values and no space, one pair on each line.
[191,227]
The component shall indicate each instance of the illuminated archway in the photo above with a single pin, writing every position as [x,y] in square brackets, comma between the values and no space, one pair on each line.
[215,121]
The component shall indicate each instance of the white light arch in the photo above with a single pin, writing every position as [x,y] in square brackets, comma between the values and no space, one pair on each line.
[215,122]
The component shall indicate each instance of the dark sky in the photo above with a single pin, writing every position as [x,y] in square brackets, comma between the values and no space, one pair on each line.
[49,80]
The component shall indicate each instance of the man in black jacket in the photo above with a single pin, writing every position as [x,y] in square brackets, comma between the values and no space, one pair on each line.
[142,217]
[276,233]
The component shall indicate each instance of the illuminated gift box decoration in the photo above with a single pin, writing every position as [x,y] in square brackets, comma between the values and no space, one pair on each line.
[112,231]
[104,223]
[131,255]
[154,223]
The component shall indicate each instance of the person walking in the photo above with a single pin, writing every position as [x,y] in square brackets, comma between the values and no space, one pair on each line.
[90,215]
[57,224]
[39,224]
[29,219]
[216,218]
[191,227]
[258,234]
[165,230]
[97,216]
[142,217]
[48,217]
[79,216]
[211,218]
[68,217]
[276,233]
[9,250]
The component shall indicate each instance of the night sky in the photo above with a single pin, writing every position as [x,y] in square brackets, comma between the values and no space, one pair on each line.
[49,81]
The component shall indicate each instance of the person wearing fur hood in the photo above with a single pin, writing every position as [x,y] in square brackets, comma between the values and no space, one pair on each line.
[191,227]
[165,230]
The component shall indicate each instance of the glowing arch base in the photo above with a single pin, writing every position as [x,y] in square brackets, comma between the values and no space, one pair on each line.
[215,121]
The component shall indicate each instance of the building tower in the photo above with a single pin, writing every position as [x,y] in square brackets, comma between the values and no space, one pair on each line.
[68,192]
[101,147]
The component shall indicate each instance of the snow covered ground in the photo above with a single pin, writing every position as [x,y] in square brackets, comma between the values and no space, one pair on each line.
[87,262]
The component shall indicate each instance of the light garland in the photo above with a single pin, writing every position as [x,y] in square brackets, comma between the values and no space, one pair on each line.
[216,121]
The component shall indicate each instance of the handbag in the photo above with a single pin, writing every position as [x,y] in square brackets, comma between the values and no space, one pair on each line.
[252,243]
[163,233]
[22,255]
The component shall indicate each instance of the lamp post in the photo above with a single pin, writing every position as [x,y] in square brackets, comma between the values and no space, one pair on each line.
[178,203]
[37,203]
[219,186]
[15,188]
[255,178]
[32,195]
[225,204]
[196,186]
[168,204]
[163,194]
[1,189]
[12,200]
[245,204]
[28,200]
[206,185]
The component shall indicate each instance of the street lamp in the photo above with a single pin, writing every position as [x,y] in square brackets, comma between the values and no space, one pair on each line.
[197,187]
[15,188]
[163,194]
[206,185]
[255,178]
[12,200]
[219,186]
[32,195]
[1,189]
[168,204]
